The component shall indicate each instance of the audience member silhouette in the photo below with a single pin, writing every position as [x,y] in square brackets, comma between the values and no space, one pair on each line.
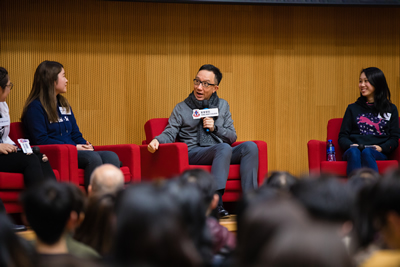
[311,246]
[48,209]
[106,179]
[151,230]
[280,180]
[223,241]
[14,251]
[360,178]
[98,228]
[262,220]
[190,201]
[74,246]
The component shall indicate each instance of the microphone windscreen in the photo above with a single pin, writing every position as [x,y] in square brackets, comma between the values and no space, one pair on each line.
[205,104]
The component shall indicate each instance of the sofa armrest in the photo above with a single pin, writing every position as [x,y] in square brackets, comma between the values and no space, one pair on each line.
[262,159]
[169,160]
[129,155]
[63,158]
[395,155]
[316,154]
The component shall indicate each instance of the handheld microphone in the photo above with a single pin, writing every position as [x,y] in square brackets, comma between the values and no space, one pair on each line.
[35,150]
[206,105]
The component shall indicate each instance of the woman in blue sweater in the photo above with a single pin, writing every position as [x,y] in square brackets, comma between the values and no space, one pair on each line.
[370,127]
[48,118]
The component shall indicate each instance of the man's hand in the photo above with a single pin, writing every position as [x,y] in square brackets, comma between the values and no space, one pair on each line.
[208,123]
[378,148]
[153,146]
[88,146]
[7,148]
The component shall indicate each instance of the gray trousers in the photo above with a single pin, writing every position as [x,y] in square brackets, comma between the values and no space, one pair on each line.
[220,156]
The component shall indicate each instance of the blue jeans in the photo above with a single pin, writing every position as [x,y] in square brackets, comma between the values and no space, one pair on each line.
[220,156]
[90,160]
[366,158]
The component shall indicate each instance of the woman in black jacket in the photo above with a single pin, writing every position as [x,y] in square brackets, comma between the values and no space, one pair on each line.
[370,127]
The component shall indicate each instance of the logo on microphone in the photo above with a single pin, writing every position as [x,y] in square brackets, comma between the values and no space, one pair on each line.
[196,114]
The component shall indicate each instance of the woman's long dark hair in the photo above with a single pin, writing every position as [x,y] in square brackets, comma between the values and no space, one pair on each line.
[382,93]
[14,250]
[98,219]
[43,89]
[373,204]
[151,230]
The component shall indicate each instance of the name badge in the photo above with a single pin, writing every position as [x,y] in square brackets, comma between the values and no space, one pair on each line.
[4,122]
[204,113]
[26,147]
[64,111]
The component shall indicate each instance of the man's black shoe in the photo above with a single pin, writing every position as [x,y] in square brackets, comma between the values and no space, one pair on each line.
[222,212]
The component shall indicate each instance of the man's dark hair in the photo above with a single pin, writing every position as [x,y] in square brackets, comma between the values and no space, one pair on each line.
[48,208]
[325,198]
[78,198]
[215,70]
[280,180]
[360,178]
[151,230]
[202,180]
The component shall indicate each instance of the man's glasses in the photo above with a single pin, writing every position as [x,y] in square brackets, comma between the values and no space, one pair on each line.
[204,84]
[10,85]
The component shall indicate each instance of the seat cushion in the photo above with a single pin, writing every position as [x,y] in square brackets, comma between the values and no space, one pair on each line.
[339,167]
[334,167]
[10,196]
[11,181]
[11,185]
[385,165]
[234,170]
[124,169]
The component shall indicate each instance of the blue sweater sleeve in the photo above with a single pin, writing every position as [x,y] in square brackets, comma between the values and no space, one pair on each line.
[41,132]
[35,122]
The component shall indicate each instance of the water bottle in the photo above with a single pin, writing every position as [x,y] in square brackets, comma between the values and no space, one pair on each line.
[330,151]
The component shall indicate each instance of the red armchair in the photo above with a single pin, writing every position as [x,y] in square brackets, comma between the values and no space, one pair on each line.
[172,159]
[317,154]
[129,155]
[11,184]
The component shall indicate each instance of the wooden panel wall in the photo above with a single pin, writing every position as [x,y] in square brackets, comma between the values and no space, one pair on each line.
[287,69]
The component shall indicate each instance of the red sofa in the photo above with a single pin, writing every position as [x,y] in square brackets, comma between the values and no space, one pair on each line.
[11,184]
[317,154]
[172,159]
[129,155]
